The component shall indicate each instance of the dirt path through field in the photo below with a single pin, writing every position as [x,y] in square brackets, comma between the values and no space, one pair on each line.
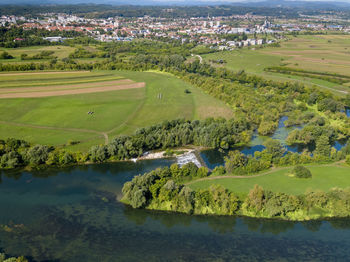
[72,92]
[67,87]
[272,170]
[246,177]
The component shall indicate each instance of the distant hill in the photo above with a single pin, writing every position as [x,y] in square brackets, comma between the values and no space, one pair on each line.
[249,3]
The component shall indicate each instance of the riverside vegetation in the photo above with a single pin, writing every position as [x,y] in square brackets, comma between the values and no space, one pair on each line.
[4,258]
[163,189]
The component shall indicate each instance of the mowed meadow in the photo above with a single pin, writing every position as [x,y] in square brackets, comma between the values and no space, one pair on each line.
[321,53]
[58,108]
[324,178]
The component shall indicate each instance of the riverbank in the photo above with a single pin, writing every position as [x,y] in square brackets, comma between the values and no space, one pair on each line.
[151,155]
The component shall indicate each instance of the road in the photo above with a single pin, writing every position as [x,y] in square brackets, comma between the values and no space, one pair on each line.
[200,58]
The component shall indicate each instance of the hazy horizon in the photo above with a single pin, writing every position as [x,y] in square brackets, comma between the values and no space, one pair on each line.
[162,2]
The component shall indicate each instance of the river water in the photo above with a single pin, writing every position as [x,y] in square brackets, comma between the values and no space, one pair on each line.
[72,214]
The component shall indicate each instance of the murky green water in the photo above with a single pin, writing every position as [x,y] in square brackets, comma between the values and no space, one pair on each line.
[72,215]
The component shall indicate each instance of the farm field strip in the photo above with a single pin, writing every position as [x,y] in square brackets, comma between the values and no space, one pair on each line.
[66,87]
[43,73]
[72,91]
[45,82]
[51,77]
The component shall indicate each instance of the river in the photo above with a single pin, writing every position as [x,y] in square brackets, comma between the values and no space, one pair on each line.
[71,214]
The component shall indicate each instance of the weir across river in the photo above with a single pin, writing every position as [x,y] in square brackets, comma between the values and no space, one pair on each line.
[189,157]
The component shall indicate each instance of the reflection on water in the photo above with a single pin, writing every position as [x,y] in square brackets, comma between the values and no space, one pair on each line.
[347,111]
[72,215]
[213,157]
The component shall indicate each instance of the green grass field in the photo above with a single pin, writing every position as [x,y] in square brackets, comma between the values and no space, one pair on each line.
[19,80]
[325,177]
[323,53]
[58,119]
[59,51]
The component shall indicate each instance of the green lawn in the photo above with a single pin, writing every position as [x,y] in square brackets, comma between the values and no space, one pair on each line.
[110,109]
[252,61]
[166,100]
[49,136]
[325,177]
[34,79]
[328,53]
[59,51]
[115,112]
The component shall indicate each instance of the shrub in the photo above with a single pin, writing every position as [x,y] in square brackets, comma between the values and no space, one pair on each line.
[72,142]
[348,160]
[219,170]
[37,155]
[5,55]
[301,172]
[168,152]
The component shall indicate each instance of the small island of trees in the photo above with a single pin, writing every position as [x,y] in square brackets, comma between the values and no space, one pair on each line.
[301,172]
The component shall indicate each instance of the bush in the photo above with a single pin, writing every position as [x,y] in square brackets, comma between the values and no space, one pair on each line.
[348,160]
[169,152]
[5,55]
[301,172]
[219,170]
[72,142]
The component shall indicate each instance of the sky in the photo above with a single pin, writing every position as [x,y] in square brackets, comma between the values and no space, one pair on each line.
[233,1]
[141,2]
